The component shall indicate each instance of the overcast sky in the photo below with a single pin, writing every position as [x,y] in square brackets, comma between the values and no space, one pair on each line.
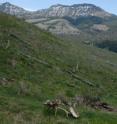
[108,5]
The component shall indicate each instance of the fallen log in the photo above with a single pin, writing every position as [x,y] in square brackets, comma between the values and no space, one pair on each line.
[18,38]
[95,103]
[36,59]
[80,78]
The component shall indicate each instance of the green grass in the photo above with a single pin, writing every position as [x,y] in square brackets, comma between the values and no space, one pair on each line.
[30,82]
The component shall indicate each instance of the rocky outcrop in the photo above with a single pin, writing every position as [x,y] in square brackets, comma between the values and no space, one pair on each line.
[13,10]
[100,27]
[57,26]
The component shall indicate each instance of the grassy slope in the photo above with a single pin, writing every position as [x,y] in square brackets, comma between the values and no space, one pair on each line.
[32,61]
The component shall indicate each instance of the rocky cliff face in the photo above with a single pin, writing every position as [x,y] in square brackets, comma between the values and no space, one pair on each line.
[13,10]
[73,11]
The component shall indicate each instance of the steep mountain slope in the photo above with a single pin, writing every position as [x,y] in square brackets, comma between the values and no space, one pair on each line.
[35,66]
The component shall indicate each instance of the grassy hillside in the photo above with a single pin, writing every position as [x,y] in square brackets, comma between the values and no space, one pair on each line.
[34,67]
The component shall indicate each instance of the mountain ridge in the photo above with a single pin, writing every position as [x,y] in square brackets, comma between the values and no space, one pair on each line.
[61,10]
[86,23]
